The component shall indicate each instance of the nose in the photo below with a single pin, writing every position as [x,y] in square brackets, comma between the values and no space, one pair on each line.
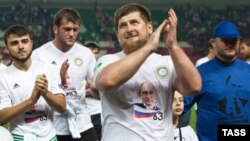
[130,27]
[20,45]
[178,102]
[71,32]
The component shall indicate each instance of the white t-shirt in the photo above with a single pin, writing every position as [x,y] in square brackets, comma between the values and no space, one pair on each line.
[124,118]
[201,61]
[5,134]
[81,71]
[2,66]
[16,86]
[187,133]
[93,106]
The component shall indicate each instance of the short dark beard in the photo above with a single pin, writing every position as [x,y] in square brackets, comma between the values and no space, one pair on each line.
[247,57]
[20,60]
[133,46]
[227,57]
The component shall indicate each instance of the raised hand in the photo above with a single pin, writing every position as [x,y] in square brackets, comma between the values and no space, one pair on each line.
[155,36]
[63,71]
[170,30]
[42,84]
[37,90]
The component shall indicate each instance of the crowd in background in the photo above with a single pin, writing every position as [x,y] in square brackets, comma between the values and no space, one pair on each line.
[195,23]
[216,87]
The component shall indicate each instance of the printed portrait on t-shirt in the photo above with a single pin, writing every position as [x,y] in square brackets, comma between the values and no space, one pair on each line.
[70,91]
[148,95]
[148,108]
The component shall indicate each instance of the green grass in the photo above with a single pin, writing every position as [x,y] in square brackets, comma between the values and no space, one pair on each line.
[6,126]
[193,119]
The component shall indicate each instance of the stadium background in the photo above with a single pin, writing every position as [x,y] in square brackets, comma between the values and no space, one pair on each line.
[196,20]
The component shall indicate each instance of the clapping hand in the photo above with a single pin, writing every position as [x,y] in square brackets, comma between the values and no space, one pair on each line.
[170,30]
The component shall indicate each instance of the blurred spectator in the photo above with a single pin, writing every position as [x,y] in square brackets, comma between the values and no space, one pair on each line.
[94,103]
[244,50]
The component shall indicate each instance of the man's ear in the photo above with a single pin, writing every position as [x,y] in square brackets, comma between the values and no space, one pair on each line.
[55,29]
[211,43]
[150,27]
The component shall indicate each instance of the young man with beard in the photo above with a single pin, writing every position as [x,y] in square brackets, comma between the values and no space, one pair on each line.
[29,90]
[119,77]
[224,97]
[75,63]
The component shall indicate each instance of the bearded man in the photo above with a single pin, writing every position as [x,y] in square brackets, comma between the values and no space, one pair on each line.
[119,77]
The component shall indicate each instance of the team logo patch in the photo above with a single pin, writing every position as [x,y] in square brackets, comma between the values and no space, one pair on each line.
[53,63]
[78,61]
[16,86]
[162,71]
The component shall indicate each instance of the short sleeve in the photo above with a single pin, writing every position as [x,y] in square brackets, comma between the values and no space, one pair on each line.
[102,62]
[91,66]
[5,100]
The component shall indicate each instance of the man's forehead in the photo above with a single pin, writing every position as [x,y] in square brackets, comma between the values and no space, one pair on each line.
[130,16]
[18,37]
[64,21]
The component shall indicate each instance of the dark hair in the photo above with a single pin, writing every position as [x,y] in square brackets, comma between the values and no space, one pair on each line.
[245,41]
[129,8]
[19,30]
[69,14]
[92,45]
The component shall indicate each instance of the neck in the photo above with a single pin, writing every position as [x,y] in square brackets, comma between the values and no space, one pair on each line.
[210,56]
[175,121]
[60,45]
[23,66]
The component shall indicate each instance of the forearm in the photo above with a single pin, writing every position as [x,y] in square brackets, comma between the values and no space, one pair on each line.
[115,74]
[188,78]
[56,101]
[10,113]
